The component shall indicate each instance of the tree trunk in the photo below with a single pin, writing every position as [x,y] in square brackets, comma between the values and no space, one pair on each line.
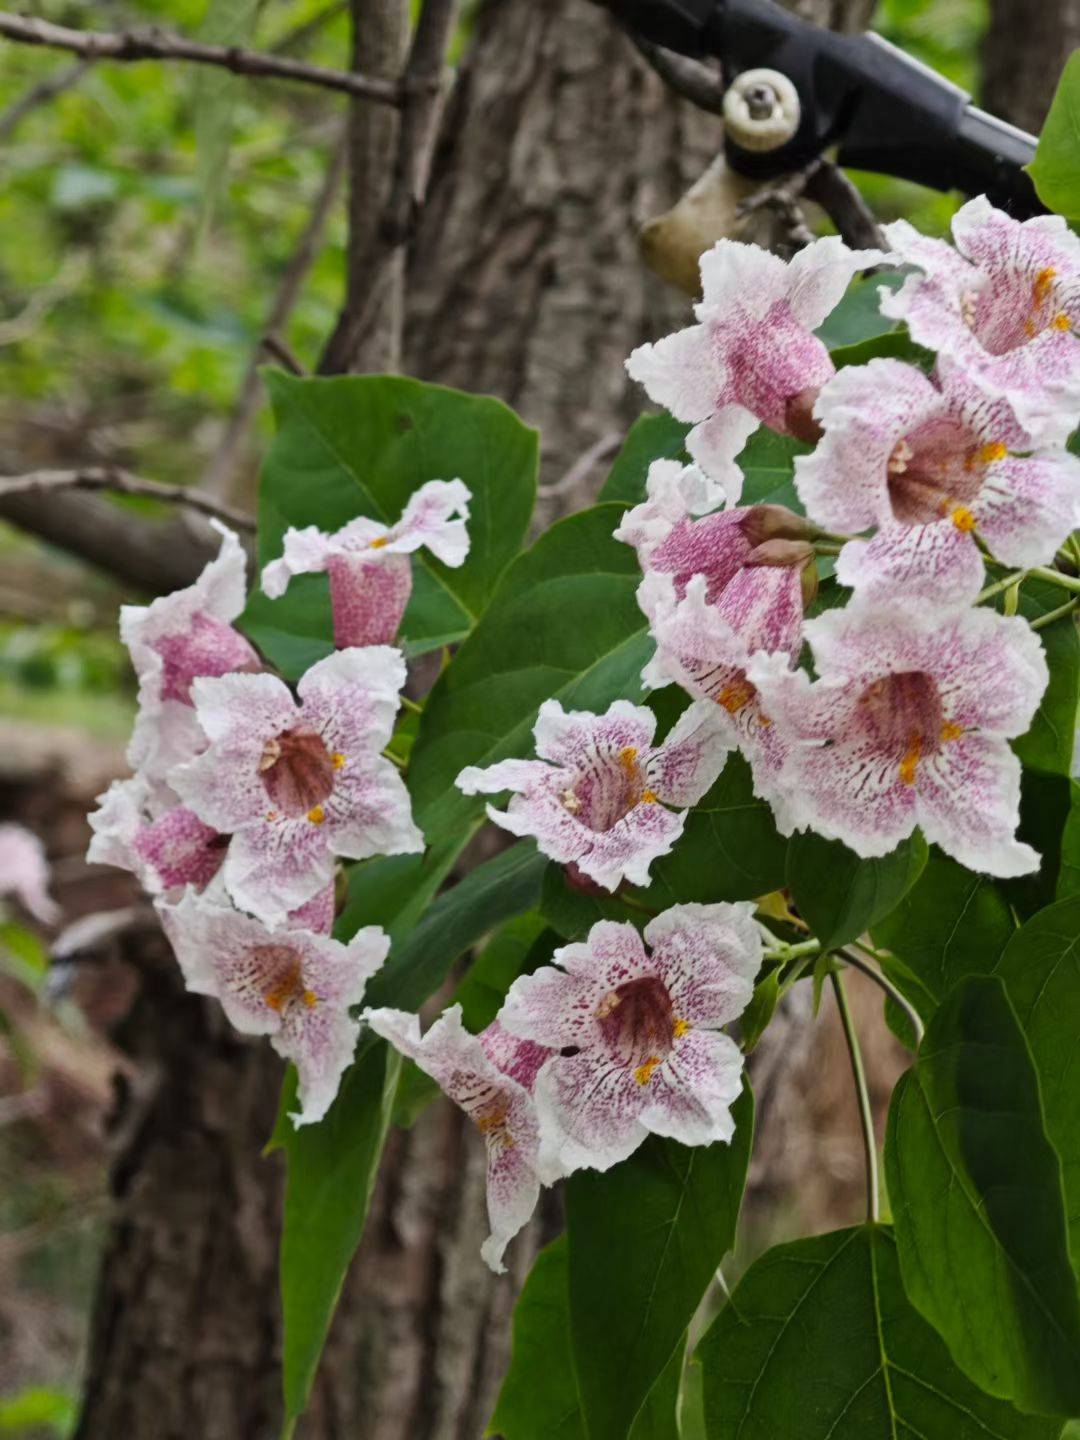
[1025,52]
[524,281]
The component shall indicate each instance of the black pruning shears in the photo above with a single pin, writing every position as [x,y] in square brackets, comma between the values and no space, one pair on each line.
[883,110]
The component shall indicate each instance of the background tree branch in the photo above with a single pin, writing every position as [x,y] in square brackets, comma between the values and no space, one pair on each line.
[135,45]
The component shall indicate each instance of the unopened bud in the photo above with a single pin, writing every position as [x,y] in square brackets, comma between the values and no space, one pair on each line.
[799,416]
[796,554]
[761,523]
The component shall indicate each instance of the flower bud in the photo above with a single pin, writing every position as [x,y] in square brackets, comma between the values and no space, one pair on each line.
[762,523]
[799,416]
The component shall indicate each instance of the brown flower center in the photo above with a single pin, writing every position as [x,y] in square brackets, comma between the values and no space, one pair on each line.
[639,1024]
[284,978]
[904,715]
[607,788]
[938,470]
[297,772]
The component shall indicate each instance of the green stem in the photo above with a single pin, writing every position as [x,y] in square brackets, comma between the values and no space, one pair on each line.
[1001,585]
[395,759]
[637,905]
[826,547]
[866,1116]
[1055,577]
[884,983]
[784,952]
[1051,615]
[410,705]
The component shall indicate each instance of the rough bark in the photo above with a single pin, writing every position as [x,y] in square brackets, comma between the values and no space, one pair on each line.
[1025,51]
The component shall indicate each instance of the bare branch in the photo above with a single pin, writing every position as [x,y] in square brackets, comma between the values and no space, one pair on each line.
[220,472]
[829,187]
[150,556]
[134,45]
[106,477]
[417,133]
[689,78]
[54,84]
[579,471]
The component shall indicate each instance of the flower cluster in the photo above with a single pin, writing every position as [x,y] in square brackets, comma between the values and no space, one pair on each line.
[244,794]
[917,692]
[619,1038]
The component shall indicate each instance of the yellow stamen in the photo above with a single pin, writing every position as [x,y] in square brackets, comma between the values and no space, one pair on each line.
[278,996]
[679,1028]
[310,999]
[1061,322]
[316,815]
[734,696]
[378,543]
[570,801]
[987,454]
[648,797]
[608,1005]
[1044,284]
[910,763]
[628,757]
[337,760]
[951,732]
[963,519]
[271,814]
[644,1073]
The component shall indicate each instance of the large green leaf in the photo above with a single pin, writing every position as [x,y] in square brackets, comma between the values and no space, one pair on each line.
[730,848]
[505,886]
[564,623]
[1068,881]
[331,1172]
[540,1398]
[360,445]
[1056,167]
[572,912]
[976,1192]
[1049,744]
[1045,802]
[951,923]
[819,1342]
[645,1241]
[1041,971]
[839,895]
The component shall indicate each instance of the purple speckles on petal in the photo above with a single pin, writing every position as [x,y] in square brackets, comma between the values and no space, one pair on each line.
[368,598]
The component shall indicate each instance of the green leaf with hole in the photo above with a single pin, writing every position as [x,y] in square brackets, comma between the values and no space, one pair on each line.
[819,1342]
[976,1193]
[361,445]
[1041,971]
[564,623]
[645,1240]
[1056,167]
[839,895]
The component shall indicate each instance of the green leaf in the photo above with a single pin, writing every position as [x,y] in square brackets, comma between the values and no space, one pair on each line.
[1056,167]
[517,948]
[858,317]
[1068,882]
[762,1007]
[819,1342]
[951,923]
[394,890]
[38,1408]
[539,1399]
[361,445]
[839,895]
[1050,743]
[651,437]
[730,848]
[768,466]
[1041,971]
[897,345]
[572,913]
[1045,801]
[505,886]
[976,1193]
[331,1172]
[645,1240]
[564,623]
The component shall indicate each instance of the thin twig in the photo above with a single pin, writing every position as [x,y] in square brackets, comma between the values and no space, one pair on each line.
[108,477]
[135,45]
[420,116]
[1069,608]
[52,85]
[1055,577]
[866,1114]
[218,477]
[1000,586]
[884,983]
[599,451]
[829,187]
[689,78]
